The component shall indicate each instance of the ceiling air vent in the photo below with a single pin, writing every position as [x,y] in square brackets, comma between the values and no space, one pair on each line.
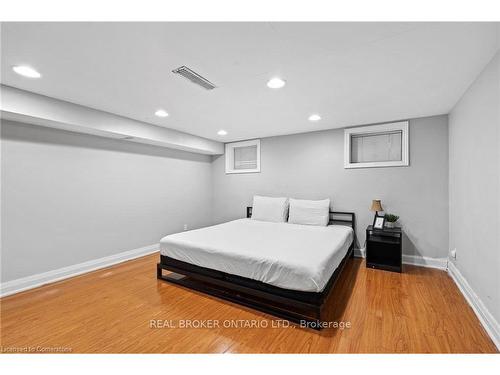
[194,77]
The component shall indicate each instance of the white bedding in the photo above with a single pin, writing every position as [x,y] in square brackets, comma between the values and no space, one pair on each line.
[290,256]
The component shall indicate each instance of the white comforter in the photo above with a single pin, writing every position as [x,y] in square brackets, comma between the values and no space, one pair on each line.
[291,256]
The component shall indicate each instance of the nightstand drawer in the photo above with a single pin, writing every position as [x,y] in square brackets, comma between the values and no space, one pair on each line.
[385,239]
[384,249]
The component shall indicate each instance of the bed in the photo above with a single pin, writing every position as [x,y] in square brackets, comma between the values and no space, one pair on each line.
[287,270]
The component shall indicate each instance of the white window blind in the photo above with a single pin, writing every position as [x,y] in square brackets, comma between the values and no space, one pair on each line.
[382,145]
[376,147]
[245,157]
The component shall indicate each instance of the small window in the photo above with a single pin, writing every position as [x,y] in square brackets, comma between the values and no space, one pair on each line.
[243,157]
[384,145]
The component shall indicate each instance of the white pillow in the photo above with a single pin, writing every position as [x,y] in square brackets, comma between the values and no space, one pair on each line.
[309,212]
[270,209]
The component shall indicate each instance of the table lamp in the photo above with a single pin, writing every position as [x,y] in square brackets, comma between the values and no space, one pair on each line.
[376,206]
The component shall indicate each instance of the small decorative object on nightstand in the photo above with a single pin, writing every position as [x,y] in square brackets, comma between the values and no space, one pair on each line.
[384,249]
[378,222]
[390,220]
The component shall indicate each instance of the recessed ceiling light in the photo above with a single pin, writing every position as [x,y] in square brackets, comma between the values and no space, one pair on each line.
[275,83]
[222,132]
[26,71]
[314,117]
[161,113]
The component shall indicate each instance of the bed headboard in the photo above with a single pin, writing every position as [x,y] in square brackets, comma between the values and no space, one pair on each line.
[338,218]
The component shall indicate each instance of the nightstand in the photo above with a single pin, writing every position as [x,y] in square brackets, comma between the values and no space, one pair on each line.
[384,248]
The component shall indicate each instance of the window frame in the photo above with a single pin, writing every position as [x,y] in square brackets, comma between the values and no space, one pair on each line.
[229,156]
[402,126]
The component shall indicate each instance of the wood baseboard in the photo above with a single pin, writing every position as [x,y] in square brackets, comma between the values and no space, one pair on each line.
[485,317]
[360,253]
[415,260]
[34,281]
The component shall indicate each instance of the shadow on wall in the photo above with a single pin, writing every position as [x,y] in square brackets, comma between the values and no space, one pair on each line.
[409,247]
[357,244]
[37,134]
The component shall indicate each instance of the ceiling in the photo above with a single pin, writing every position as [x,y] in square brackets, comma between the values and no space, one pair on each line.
[349,73]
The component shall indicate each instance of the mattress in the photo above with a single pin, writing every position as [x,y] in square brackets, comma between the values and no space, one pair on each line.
[290,256]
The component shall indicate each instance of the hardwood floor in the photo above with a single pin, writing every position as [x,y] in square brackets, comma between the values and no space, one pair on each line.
[110,310]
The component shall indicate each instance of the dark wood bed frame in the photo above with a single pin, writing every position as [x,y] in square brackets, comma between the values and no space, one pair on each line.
[292,305]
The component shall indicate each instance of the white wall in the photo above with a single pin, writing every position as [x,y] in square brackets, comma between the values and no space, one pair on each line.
[68,198]
[474,185]
[311,166]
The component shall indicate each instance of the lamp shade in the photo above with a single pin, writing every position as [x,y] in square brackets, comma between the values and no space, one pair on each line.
[376,205]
